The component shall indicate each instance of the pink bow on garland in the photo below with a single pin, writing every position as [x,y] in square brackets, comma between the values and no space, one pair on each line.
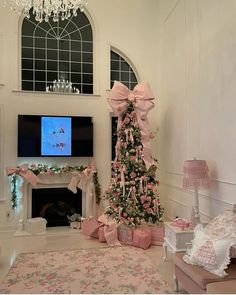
[25,173]
[142,99]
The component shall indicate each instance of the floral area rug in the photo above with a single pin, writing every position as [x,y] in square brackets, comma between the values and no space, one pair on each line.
[103,270]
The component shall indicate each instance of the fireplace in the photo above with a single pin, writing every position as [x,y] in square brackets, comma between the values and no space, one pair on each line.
[55,203]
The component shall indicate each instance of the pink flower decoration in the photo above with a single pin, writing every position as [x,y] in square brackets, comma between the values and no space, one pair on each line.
[148,199]
[132,174]
[146,205]
[149,210]
[126,120]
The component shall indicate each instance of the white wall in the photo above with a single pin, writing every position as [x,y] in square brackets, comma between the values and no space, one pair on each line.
[196,77]
[125,25]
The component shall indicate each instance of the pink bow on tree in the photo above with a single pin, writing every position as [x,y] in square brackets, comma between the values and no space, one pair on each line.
[142,99]
[25,173]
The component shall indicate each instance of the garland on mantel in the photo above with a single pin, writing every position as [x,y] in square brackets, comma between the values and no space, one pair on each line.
[53,170]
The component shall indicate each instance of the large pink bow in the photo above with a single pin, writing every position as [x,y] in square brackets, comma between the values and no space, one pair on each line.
[25,173]
[110,230]
[142,99]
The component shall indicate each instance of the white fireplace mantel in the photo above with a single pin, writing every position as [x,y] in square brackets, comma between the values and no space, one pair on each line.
[53,181]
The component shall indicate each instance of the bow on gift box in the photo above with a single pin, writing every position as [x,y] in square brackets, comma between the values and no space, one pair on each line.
[142,99]
[25,173]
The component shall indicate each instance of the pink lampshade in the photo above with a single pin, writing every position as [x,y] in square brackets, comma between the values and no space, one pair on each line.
[195,172]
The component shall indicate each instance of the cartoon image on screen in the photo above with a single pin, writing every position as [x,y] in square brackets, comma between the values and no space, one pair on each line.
[55,136]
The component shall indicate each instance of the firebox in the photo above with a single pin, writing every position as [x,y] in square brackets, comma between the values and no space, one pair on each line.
[54,204]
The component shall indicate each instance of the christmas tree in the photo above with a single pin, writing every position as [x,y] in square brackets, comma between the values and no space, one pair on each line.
[133,191]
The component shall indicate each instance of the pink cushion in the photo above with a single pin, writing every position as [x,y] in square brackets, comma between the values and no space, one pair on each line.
[141,238]
[90,227]
[101,235]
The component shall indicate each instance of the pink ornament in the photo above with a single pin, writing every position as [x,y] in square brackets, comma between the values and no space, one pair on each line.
[132,174]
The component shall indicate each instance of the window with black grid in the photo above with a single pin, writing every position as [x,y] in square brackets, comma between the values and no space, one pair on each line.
[122,71]
[57,50]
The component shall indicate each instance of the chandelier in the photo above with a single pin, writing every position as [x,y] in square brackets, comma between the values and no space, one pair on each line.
[43,9]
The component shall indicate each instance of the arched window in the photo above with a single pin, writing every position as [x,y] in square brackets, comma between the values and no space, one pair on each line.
[57,50]
[122,71]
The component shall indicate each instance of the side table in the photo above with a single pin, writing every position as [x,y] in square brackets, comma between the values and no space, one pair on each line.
[176,238]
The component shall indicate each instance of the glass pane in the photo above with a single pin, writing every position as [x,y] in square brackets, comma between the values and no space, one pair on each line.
[28,28]
[40,65]
[64,44]
[76,67]
[87,46]
[75,78]
[40,86]
[27,85]
[133,77]
[114,56]
[88,79]
[27,75]
[52,44]
[39,53]
[52,65]
[52,54]
[27,41]
[51,76]
[27,63]
[75,56]
[87,89]
[125,76]
[39,42]
[115,76]
[87,57]
[76,46]
[87,34]
[124,66]
[40,76]
[115,65]
[64,55]
[87,68]
[64,67]
[27,52]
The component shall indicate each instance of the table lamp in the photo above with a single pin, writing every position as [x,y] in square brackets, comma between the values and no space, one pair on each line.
[196,176]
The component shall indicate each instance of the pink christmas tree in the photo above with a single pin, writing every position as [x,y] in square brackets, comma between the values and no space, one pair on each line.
[133,191]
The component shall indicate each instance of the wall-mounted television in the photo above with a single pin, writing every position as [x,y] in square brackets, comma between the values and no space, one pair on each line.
[55,136]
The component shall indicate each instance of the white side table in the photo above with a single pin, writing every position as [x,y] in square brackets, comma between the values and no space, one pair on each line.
[176,238]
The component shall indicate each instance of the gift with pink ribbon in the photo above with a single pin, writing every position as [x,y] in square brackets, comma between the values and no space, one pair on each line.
[110,230]
[142,99]
[24,172]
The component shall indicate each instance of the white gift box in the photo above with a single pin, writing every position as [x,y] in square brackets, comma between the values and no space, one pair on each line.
[36,225]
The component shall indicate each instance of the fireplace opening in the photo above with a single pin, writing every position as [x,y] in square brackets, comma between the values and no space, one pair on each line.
[54,204]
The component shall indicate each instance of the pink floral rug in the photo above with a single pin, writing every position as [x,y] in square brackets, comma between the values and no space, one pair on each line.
[103,270]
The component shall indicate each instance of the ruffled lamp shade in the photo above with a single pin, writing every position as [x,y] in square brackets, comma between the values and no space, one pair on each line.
[195,172]
[196,176]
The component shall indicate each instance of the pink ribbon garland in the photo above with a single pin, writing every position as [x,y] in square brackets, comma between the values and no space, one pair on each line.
[24,172]
[142,99]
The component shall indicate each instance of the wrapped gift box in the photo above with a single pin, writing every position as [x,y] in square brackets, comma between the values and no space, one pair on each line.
[125,234]
[36,225]
[90,227]
[141,238]
[157,233]
[101,235]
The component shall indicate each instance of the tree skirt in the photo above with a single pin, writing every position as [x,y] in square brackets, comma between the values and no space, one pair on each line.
[103,270]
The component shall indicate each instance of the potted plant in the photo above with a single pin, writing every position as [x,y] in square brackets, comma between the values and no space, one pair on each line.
[74,220]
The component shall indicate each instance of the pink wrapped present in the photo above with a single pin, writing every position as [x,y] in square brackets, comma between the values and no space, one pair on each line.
[125,234]
[180,222]
[141,238]
[90,227]
[157,234]
[101,234]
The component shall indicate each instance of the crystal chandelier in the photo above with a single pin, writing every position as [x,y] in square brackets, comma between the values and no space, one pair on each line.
[43,9]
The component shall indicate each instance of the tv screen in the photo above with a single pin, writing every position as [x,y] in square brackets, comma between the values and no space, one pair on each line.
[59,136]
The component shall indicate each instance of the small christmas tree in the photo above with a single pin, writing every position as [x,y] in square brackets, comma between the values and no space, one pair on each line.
[132,194]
